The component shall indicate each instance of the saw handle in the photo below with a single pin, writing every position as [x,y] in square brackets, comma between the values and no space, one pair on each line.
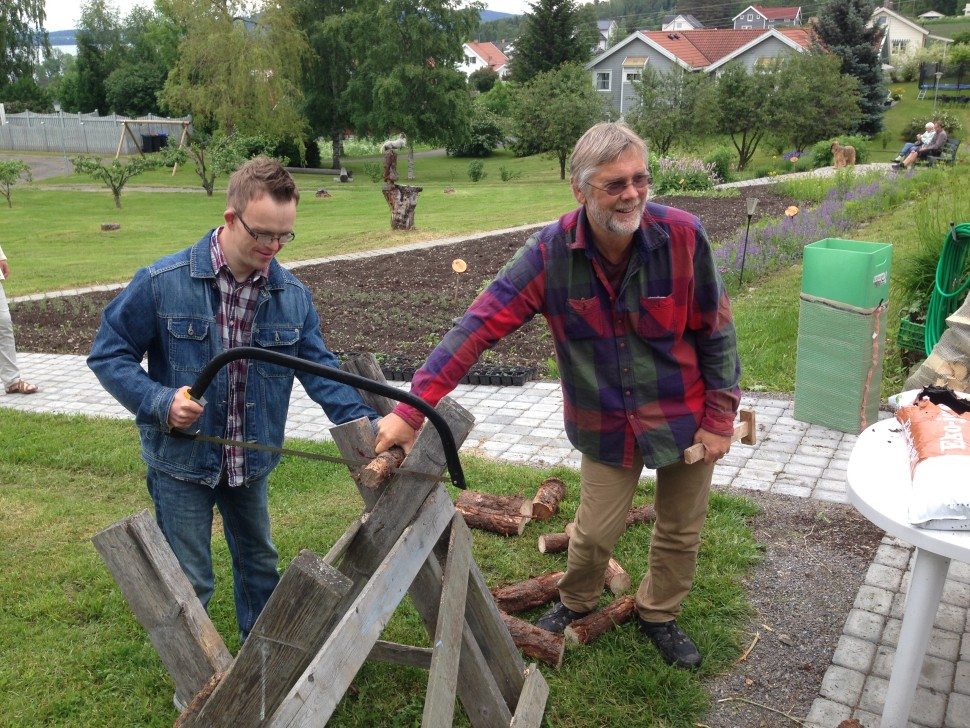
[208,373]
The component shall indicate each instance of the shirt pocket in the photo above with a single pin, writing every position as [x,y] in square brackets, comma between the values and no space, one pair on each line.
[659,317]
[585,319]
[281,339]
[188,343]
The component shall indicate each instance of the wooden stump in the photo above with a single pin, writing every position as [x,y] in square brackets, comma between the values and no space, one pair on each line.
[547,499]
[641,514]
[553,543]
[585,630]
[402,199]
[535,642]
[616,578]
[527,594]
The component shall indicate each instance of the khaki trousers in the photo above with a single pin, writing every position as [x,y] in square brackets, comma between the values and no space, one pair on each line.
[605,498]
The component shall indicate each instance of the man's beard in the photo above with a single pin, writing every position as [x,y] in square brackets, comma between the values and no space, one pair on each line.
[609,220]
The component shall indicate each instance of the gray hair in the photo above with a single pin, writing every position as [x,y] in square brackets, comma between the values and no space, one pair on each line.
[602,144]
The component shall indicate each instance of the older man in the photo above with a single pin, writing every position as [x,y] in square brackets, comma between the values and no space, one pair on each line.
[648,358]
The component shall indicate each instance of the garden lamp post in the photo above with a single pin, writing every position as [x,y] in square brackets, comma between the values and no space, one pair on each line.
[936,86]
[752,203]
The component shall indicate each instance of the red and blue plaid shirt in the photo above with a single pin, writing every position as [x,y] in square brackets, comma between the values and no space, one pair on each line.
[642,367]
[237,308]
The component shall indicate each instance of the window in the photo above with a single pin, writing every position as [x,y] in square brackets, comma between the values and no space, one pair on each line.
[899,45]
[631,76]
[750,16]
[470,60]
[603,80]
[766,62]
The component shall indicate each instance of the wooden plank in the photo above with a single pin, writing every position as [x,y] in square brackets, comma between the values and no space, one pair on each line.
[163,601]
[341,545]
[287,635]
[398,654]
[313,698]
[481,698]
[366,365]
[355,440]
[439,705]
[532,702]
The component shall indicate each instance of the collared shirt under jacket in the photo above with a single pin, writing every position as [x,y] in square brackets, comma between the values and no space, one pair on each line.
[642,367]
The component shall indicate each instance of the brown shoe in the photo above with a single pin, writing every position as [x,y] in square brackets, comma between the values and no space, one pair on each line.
[22,387]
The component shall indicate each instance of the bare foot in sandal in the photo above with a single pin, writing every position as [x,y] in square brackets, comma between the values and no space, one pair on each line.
[22,387]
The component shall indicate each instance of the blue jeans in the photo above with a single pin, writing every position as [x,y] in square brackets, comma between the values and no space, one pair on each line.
[907,148]
[184,514]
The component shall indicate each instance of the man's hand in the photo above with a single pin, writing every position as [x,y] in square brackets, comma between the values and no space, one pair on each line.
[4,268]
[392,430]
[715,446]
[184,410]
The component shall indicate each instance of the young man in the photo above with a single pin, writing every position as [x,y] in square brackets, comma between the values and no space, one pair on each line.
[225,291]
[648,358]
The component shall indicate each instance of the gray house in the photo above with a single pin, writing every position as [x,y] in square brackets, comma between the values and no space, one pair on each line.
[706,50]
[756,16]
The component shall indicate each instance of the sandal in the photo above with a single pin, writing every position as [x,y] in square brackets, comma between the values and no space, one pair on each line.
[22,387]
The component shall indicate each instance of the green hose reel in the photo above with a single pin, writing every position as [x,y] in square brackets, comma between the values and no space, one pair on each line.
[948,289]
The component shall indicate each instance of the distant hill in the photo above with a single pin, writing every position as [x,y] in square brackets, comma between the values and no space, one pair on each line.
[487,16]
[59,37]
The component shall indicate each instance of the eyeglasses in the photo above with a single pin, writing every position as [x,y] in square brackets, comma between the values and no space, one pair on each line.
[615,189]
[266,238]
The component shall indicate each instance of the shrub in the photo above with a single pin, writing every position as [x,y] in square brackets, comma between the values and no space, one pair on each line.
[917,125]
[720,160]
[373,171]
[507,174]
[483,134]
[679,175]
[312,153]
[476,170]
[821,152]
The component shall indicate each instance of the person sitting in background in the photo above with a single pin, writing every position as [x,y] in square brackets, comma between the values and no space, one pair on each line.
[925,138]
[925,150]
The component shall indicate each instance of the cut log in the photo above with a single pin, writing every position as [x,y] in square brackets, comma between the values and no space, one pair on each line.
[585,630]
[512,505]
[570,529]
[380,469]
[553,543]
[616,578]
[527,594]
[497,514]
[547,499]
[641,514]
[534,642]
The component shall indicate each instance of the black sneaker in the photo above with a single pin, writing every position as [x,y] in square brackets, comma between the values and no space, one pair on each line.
[558,618]
[675,647]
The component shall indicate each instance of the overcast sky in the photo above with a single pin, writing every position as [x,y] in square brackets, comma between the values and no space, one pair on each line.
[63,14]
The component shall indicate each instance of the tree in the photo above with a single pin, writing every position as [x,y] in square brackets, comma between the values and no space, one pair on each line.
[554,109]
[554,33]
[842,28]
[406,78]
[11,172]
[149,50]
[234,74]
[21,21]
[483,79]
[814,100]
[214,157]
[98,52]
[328,66]
[115,175]
[674,106]
[745,107]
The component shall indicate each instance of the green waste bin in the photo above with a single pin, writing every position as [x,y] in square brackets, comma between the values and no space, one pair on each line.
[842,333]
[848,271]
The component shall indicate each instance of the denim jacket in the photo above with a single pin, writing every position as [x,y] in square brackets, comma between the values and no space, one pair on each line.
[168,312]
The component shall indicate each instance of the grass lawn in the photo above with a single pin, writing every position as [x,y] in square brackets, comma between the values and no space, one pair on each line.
[74,655]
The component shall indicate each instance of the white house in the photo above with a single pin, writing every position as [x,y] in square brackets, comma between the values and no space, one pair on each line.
[682,21]
[902,36]
[930,15]
[483,54]
[756,16]
[606,28]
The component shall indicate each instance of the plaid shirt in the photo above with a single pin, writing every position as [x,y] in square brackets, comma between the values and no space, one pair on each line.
[642,367]
[237,308]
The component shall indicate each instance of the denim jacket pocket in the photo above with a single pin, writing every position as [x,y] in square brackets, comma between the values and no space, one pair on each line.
[658,317]
[283,339]
[189,347]
[584,319]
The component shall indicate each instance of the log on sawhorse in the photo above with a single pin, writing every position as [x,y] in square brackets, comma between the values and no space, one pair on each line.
[301,658]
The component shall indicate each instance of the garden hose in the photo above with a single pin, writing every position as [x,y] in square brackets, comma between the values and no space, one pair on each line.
[946,291]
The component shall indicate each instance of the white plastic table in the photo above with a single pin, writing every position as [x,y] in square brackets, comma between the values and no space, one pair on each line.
[879,487]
